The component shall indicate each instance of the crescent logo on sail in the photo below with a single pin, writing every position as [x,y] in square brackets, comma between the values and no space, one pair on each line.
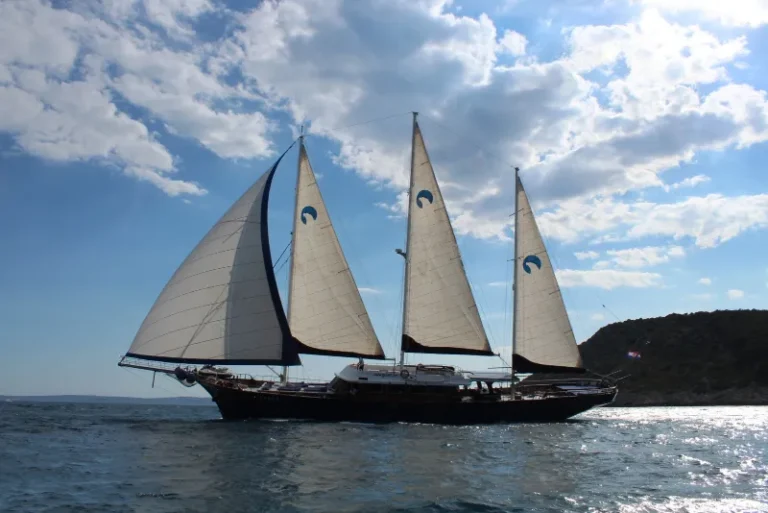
[423,194]
[531,259]
[308,210]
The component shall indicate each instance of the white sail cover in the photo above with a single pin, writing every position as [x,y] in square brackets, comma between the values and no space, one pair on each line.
[222,304]
[325,311]
[440,311]
[543,339]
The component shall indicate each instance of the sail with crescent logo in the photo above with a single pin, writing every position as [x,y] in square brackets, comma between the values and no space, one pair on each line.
[440,314]
[325,310]
[222,303]
[543,339]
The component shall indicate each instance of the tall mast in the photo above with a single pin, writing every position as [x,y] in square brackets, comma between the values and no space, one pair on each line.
[284,375]
[514,279]
[407,254]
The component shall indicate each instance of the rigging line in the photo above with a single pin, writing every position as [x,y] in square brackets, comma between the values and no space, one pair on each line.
[281,254]
[135,373]
[553,256]
[507,288]
[281,265]
[608,309]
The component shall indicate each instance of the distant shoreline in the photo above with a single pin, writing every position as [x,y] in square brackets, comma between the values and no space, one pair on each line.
[99,399]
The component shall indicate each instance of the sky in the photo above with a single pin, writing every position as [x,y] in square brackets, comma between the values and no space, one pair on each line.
[128,127]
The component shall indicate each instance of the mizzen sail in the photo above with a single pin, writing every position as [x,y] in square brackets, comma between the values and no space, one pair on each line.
[543,338]
[325,310]
[222,303]
[440,313]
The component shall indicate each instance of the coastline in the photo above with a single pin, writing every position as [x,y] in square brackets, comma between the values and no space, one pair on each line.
[757,396]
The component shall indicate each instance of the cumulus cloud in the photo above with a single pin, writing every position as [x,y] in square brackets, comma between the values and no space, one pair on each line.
[705,281]
[709,220]
[750,13]
[586,255]
[691,181]
[513,43]
[63,74]
[644,257]
[607,278]
[735,294]
[478,116]
[623,104]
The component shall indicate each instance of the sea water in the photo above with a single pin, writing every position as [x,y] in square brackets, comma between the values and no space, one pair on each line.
[119,458]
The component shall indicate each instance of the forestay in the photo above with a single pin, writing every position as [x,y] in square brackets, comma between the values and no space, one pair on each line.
[543,338]
[440,311]
[222,303]
[325,310]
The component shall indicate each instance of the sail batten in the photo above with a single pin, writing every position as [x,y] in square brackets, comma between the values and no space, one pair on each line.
[222,304]
[440,314]
[543,337]
[326,313]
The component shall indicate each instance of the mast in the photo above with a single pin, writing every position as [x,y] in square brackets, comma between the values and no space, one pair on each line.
[543,339]
[408,242]
[326,312]
[284,375]
[514,280]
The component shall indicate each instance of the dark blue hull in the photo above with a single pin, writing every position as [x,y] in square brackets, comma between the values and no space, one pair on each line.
[238,404]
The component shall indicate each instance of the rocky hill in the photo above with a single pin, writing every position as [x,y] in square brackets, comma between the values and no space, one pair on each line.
[704,358]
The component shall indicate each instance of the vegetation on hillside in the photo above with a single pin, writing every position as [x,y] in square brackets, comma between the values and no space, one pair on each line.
[716,357]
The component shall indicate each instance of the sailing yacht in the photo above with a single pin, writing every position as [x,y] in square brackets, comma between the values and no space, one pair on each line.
[222,307]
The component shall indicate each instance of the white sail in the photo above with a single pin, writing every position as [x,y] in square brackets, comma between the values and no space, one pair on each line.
[543,337]
[222,304]
[325,311]
[440,312]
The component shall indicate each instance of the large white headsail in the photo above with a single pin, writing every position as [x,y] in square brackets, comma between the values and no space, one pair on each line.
[222,304]
[440,311]
[543,338]
[325,311]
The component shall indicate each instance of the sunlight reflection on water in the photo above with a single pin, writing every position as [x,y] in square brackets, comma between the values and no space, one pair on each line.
[139,458]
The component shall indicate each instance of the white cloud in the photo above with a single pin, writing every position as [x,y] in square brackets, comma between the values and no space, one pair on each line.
[170,187]
[586,255]
[71,119]
[607,279]
[735,294]
[513,43]
[623,104]
[705,281]
[750,13]
[598,317]
[368,290]
[545,116]
[173,15]
[692,181]
[499,284]
[644,257]
[702,297]
[709,220]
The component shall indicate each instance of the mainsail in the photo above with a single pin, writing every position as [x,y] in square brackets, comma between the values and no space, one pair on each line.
[440,314]
[222,304]
[543,339]
[325,310]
